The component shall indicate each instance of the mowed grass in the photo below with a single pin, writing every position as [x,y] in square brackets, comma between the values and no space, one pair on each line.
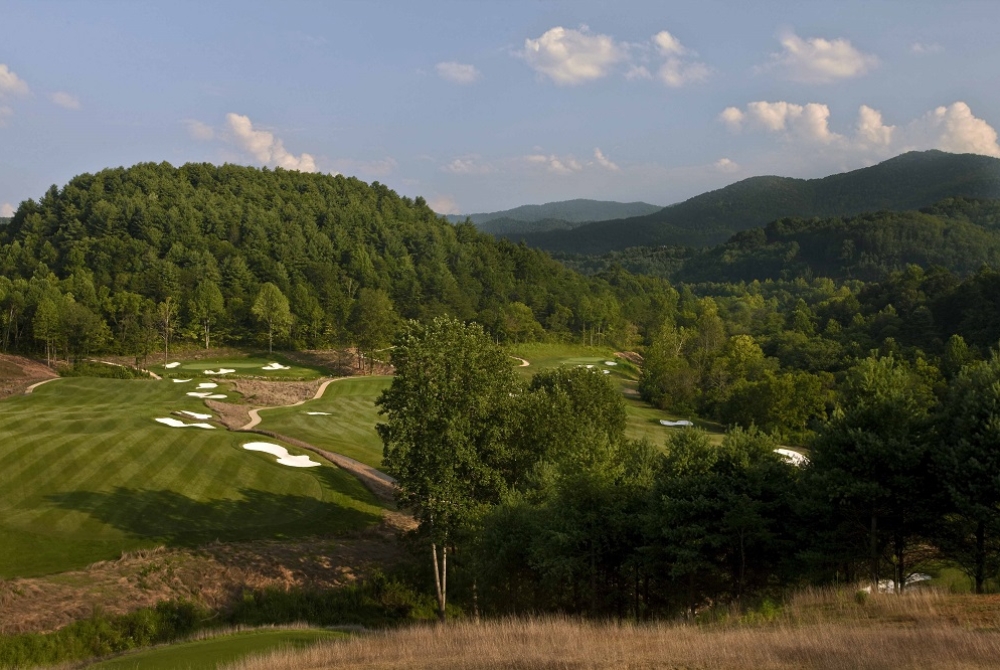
[643,420]
[247,366]
[86,473]
[214,652]
[350,427]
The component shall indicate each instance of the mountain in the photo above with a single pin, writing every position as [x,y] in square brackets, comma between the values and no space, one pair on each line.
[568,211]
[505,227]
[909,181]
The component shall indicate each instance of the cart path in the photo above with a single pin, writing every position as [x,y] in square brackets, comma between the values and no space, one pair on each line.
[255,416]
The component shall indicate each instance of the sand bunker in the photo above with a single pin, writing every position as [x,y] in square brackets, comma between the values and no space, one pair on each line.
[284,458]
[607,372]
[177,423]
[674,424]
[318,413]
[220,371]
[181,381]
[588,366]
[792,457]
[172,365]
[610,363]
[195,415]
[275,366]
[205,395]
[207,385]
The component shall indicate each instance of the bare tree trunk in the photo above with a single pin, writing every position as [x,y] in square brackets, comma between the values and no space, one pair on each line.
[441,579]
[981,557]
[874,553]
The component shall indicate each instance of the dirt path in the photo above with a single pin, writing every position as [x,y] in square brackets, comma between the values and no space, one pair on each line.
[255,416]
[119,365]
[523,364]
[31,388]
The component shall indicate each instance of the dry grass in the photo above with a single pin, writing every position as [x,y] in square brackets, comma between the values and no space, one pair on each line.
[18,373]
[819,629]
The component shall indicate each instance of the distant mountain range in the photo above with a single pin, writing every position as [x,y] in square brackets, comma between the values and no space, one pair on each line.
[563,215]
[906,182]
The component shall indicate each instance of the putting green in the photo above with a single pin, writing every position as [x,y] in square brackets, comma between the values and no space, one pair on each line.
[86,472]
[349,429]
[248,366]
[214,652]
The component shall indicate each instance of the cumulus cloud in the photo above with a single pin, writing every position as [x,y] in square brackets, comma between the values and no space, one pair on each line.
[921,48]
[953,128]
[467,165]
[66,100]
[458,73]
[726,165]
[569,57]
[817,60]
[443,204]
[10,83]
[265,147]
[7,210]
[199,130]
[604,161]
[668,45]
[636,72]
[676,73]
[555,164]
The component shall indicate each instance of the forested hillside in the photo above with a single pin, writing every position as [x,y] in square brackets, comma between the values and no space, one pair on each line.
[579,210]
[117,258]
[909,181]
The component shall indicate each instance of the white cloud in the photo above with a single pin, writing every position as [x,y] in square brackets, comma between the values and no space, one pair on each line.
[636,72]
[921,48]
[556,164]
[676,72]
[458,73]
[443,204]
[668,45]
[568,56]
[10,83]
[726,165]
[66,100]
[604,161]
[467,165]
[265,147]
[953,128]
[7,210]
[817,60]
[199,130]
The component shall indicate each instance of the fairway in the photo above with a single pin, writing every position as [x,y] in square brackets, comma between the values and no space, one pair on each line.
[349,427]
[242,367]
[86,472]
[211,653]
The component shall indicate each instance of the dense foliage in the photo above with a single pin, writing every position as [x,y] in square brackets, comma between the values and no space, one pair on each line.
[909,181]
[570,212]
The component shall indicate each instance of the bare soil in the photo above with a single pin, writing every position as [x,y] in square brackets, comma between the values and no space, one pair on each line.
[18,373]
[214,575]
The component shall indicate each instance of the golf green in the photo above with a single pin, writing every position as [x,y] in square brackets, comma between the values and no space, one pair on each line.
[348,425]
[255,366]
[86,472]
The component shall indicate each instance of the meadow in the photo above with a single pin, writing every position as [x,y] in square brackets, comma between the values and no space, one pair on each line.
[87,473]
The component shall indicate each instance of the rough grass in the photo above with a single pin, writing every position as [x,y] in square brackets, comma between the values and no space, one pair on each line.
[819,629]
[350,427]
[85,473]
[211,652]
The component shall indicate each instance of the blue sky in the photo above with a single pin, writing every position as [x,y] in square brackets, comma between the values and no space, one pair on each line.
[480,106]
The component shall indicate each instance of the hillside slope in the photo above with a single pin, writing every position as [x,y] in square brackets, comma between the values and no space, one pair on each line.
[579,210]
[909,181]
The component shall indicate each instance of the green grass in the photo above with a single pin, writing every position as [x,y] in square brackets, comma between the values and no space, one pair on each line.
[213,652]
[245,366]
[86,473]
[350,428]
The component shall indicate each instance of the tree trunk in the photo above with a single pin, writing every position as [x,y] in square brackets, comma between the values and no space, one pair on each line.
[899,554]
[441,579]
[981,557]
[270,339]
[874,553]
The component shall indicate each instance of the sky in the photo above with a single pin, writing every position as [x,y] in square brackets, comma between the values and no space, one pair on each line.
[482,106]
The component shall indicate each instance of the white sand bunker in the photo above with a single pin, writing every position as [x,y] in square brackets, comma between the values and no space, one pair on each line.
[607,372]
[220,371]
[674,424]
[177,423]
[170,366]
[207,385]
[792,457]
[610,363]
[275,366]
[284,458]
[205,395]
[181,381]
[318,413]
[195,415]
[588,366]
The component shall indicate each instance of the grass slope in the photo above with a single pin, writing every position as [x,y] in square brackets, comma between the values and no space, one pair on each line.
[86,472]
[350,427]
[214,652]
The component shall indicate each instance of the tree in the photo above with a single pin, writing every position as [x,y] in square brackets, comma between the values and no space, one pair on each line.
[373,322]
[206,306]
[447,428]
[271,309]
[46,325]
[166,313]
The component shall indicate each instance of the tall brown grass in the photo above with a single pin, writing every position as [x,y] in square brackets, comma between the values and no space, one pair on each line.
[829,629]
